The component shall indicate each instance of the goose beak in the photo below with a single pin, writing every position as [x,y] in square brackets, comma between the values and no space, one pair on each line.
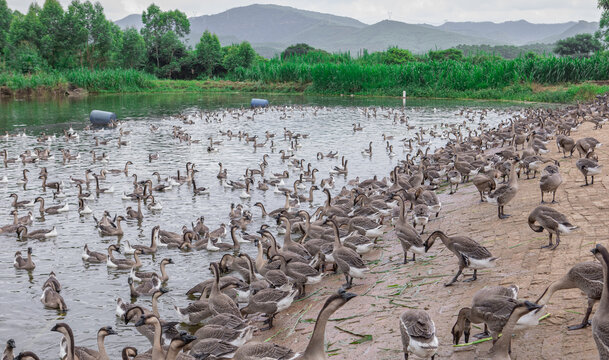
[164,290]
[346,295]
[532,306]
[111,331]
[141,321]
[55,328]
[187,338]
[11,343]
[170,261]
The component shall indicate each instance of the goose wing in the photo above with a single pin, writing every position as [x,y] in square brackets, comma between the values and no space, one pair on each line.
[495,310]
[349,256]
[259,350]
[418,324]
[470,248]
[212,347]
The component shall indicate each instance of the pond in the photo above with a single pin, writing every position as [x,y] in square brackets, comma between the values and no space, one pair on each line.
[90,291]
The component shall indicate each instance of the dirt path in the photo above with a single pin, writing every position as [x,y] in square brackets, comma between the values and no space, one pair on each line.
[391,287]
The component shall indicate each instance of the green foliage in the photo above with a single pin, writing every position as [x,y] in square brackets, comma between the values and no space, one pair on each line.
[448,54]
[296,50]
[578,45]
[236,56]
[26,59]
[157,24]
[6,17]
[505,51]
[398,56]
[209,53]
[53,33]
[132,50]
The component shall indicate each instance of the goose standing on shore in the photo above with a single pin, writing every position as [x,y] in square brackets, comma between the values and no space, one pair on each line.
[505,193]
[550,181]
[469,253]
[589,166]
[418,334]
[600,321]
[551,220]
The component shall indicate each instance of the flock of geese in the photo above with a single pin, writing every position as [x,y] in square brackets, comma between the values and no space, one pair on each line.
[246,292]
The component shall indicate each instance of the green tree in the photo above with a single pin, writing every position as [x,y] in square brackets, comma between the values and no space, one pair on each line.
[295,50]
[603,31]
[448,54]
[157,24]
[133,49]
[25,28]
[241,55]
[26,58]
[578,45]
[171,51]
[396,55]
[53,35]
[209,53]
[6,17]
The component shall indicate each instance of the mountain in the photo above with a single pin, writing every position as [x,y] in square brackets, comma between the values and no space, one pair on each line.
[272,28]
[581,27]
[510,32]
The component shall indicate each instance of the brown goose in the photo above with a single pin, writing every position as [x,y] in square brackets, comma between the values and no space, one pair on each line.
[109,229]
[83,353]
[586,276]
[146,250]
[51,210]
[269,301]
[347,260]
[502,348]
[316,348]
[220,303]
[565,144]
[505,193]
[409,238]
[485,185]
[551,220]
[147,288]
[418,334]
[93,256]
[469,253]
[122,263]
[588,167]
[51,298]
[128,353]
[157,349]
[143,276]
[8,350]
[23,264]
[600,321]
[40,234]
[27,355]
[550,181]
[177,344]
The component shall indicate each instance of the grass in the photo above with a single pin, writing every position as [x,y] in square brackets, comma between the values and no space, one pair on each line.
[546,79]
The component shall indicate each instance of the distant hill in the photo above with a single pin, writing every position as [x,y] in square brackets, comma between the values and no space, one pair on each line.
[271,28]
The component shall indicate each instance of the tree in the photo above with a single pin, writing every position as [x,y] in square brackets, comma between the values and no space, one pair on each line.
[603,26]
[395,56]
[578,45]
[53,33]
[157,24]
[448,54]
[209,53]
[241,55]
[132,52]
[26,59]
[295,50]
[171,51]
[6,17]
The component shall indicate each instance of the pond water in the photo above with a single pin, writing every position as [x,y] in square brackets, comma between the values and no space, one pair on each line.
[90,291]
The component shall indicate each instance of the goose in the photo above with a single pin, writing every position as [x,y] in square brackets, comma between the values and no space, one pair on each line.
[501,349]
[290,245]
[368,150]
[197,311]
[315,349]
[48,184]
[199,190]
[492,306]
[220,303]
[586,145]
[18,204]
[551,220]
[109,230]
[600,321]
[177,344]
[83,353]
[151,319]
[51,210]
[52,282]
[269,301]
[142,276]
[302,274]
[565,144]
[122,263]
[128,353]
[406,234]
[154,205]
[485,185]
[420,215]
[24,179]
[99,190]
[586,276]
[146,250]
[588,166]
[8,350]
[136,215]
[505,193]
[418,334]
[93,256]
[550,181]
[360,243]
[226,334]
[454,178]
[51,298]
[245,193]
[83,209]
[347,260]
[147,288]
[469,253]
[23,264]
[125,170]
[213,349]
[41,234]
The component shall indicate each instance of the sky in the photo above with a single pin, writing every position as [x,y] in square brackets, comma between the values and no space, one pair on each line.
[433,12]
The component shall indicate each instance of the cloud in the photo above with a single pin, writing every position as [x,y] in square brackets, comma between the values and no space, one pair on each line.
[371,11]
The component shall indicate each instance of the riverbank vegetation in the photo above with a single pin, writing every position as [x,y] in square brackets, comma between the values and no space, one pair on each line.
[54,48]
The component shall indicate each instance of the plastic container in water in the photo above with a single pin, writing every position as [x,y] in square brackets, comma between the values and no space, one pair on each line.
[102,118]
[259,103]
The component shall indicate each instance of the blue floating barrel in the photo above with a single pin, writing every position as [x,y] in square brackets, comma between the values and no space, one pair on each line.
[259,103]
[102,118]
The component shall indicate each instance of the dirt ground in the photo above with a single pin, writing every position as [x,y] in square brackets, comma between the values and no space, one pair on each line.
[391,287]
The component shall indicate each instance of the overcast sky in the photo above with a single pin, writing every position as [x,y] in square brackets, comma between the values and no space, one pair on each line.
[370,11]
